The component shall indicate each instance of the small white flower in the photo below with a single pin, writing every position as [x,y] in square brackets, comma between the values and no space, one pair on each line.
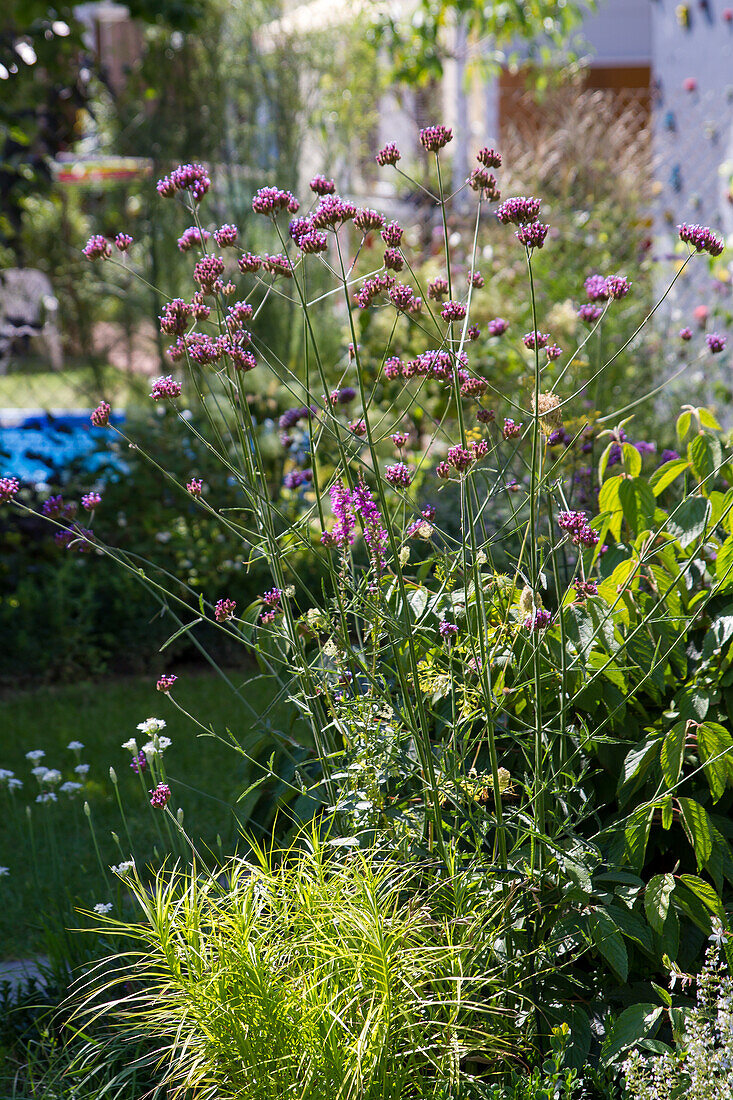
[131,746]
[39,772]
[15,784]
[52,777]
[289,591]
[75,746]
[46,796]
[35,755]
[70,787]
[151,725]
[5,775]
[103,907]
[123,868]
[82,770]
[4,871]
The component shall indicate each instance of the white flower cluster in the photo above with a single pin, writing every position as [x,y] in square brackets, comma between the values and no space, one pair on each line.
[702,1066]
[8,779]
[124,868]
[103,907]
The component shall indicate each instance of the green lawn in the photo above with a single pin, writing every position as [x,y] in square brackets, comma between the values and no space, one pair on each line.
[74,387]
[50,855]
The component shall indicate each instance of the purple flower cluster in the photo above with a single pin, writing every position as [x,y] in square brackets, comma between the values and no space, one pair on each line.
[534,340]
[278,265]
[484,181]
[100,416]
[175,317]
[375,534]
[489,158]
[475,279]
[576,524]
[358,426]
[194,486]
[342,533]
[393,260]
[207,272]
[447,630]
[269,200]
[473,332]
[392,235]
[165,683]
[165,388]
[291,417]
[226,236]
[368,220]
[390,154]
[249,263]
[398,474]
[322,185]
[453,311]
[160,797]
[437,363]
[187,177]
[9,487]
[91,500]
[400,439]
[618,286]
[332,211]
[224,609]
[123,242]
[553,351]
[702,238]
[192,236]
[600,288]
[498,326]
[435,138]
[474,388]
[403,298]
[139,763]
[372,288]
[539,621]
[97,247]
[532,235]
[343,396]
[511,430]
[426,517]
[583,589]
[589,312]
[438,288]
[462,458]
[521,210]
[715,342]
[685,333]
[272,597]
[296,478]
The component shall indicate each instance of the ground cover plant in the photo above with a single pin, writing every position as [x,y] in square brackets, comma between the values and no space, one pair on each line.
[514,666]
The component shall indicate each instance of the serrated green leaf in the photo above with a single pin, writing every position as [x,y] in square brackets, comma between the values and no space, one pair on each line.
[631,459]
[704,456]
[689,520]
[724,565]
[656,900]
[707,419]
[672,752]
[637,1022]
[637,763]
[706,893]
[683,425]
[715,744]
[697,825]
[663,477]
[609,942]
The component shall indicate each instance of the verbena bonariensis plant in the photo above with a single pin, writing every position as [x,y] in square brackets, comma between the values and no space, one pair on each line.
[558,720]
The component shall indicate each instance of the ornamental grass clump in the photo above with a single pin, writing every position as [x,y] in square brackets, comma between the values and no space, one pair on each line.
[512,660]
[313,972]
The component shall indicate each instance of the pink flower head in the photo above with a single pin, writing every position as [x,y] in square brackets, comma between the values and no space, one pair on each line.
[486,416]
[332,211]
[489,158]
[368,220]
[438,288]
[160,797]
[435,138]
[511,429]
[97,247]
[358,427]
[321,185]
[165,683]
[123,242]
[453,311]
[175,318]
[484,181]
[91,500]
[402,297]
[226,236]
[224,609]
[539,621]
[532,235]
[532,340]
[618,286]
[100,416]
[400,440]
[398,474]
[589,312]
[390,154]
[715,342]
[701,314]
[553,351]
[577,526]
[392,235]
[393,260]
[685,333]
[392,367]
[447,630]
[165,387]
[583,589]
[473,332]
[191,236]
[187,177]
[342,533]
[195,486]
[9,487]
[207,271]
[521,210]
[269,200]
[278,265]
[596,288]
[702,238]
[689,84]
[498,326]
[475,279]
[249,262]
